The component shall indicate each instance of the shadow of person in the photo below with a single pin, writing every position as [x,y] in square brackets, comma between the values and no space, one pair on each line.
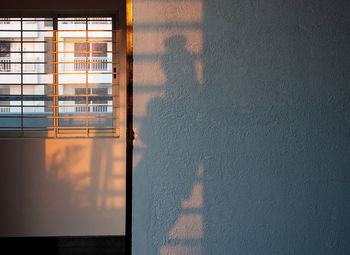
[170,131]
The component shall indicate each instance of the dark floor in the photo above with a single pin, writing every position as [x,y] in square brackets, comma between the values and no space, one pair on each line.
[100,245]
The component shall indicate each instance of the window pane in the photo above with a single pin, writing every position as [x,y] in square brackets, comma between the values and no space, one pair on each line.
[9,34]
[35,56]
[10,121]
[101,78]
[100,23]
[37,78]
[6,78]
[72,119]
[68,79]
[38,121]
[100,119]
[80,49]
[99,50]
[38,68]
[10,23]
[37,25]
[9,113]
[37,35]
[5,48]
[37,89]
[65,77]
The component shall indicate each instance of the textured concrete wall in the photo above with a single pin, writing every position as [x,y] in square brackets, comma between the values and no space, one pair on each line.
[242,116]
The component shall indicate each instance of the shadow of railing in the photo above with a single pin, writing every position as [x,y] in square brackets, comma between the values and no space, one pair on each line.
[168,77]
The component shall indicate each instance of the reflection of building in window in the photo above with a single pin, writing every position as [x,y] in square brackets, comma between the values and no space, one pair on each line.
[97,56]
[5,61]
[4,90]
[98,99]
[97,20]
[5,21]
[58,76]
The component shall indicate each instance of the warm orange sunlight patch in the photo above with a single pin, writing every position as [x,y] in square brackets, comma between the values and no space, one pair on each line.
[94,171]
[67,159]
[115,202]
[157,26]
[116,184]
[118,168]
[199,70]
[167,12]
[187,226]
[180,250]
[153,40]
[196,199]
[150,72]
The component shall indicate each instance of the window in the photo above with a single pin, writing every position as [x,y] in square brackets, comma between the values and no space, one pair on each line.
[58,77]
[99,103]
[5,21]
[5,48]
[98,58]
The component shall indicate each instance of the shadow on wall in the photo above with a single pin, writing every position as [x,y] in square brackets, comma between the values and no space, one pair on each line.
[171,164]
[266,127]
[63,187]
[94,171]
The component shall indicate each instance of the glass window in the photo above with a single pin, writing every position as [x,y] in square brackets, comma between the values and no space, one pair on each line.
[58,77]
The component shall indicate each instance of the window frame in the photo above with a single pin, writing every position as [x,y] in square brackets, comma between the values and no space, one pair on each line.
[113,132]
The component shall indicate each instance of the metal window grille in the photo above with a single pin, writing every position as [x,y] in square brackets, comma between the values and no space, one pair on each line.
[59,77]
[5,21]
